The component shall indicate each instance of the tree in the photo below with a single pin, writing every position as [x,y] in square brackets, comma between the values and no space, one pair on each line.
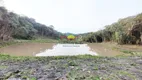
[22,27]
[6,26]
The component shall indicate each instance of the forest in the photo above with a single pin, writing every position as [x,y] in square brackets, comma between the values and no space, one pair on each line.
[14,26]
[124,31]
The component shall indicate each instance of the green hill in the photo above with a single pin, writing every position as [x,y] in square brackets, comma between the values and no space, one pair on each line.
[15,26]
[124,31]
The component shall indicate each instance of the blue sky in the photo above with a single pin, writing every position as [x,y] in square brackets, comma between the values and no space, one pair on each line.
[76,16]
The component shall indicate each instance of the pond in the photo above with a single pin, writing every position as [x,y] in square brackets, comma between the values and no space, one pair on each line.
[53,49]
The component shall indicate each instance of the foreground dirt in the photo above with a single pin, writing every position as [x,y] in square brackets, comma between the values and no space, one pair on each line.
[72,68]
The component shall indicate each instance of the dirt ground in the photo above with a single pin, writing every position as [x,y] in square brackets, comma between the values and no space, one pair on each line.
[72,68]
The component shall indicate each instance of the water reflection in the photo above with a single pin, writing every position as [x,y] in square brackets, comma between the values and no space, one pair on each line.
[67,50]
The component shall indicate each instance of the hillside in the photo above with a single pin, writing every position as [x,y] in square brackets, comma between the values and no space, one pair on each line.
[21,27]
[124,31]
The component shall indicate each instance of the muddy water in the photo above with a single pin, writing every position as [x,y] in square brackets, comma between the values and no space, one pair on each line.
[26,49]
[105,49]
[51,49]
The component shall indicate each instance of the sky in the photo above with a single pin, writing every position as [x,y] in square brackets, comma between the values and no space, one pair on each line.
[75,16]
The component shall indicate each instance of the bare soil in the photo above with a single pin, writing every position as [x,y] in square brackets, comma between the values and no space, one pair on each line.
[72,68]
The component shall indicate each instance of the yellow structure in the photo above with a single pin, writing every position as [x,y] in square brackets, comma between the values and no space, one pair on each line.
[70,37]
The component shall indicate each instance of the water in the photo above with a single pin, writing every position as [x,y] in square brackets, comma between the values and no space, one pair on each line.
[26,49]
[53,49]
[67,50]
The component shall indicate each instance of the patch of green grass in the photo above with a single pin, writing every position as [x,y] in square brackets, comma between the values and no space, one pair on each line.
[24,77]
[27,78]
[6,43]
[95,78]
[47,58]
[16,41]
[125,51]
[39,40]
[72,63]
[32,78]
[134,53]
[4,57]
[125,73]
[15,58]
[71,57]
[96,68]
[47,40]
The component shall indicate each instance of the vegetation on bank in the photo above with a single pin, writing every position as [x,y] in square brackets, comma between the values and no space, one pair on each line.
[18,41]
[76,41]
[124,31]
[16,58]
[40,40]
[23,58]
[6,43]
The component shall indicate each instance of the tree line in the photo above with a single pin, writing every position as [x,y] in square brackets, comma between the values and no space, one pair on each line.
[124,31]
[21,27]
